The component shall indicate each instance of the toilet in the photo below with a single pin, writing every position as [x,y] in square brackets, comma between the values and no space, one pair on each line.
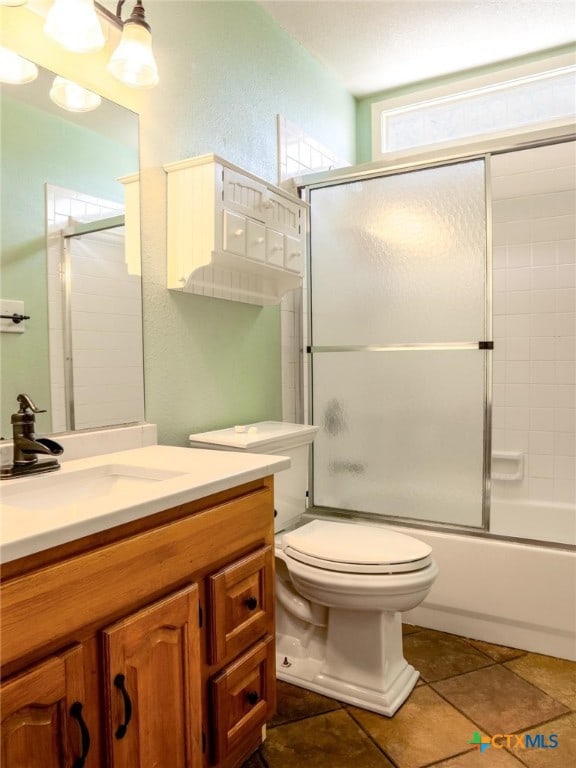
[341,587]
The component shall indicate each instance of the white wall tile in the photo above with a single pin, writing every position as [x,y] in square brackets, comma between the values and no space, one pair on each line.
[541,443]
[544,254]
[565,444]
[542,419]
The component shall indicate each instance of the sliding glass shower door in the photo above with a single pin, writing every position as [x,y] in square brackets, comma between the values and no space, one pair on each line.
[398,334]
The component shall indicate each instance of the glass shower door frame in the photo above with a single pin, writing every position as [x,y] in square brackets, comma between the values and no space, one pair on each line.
[485,345]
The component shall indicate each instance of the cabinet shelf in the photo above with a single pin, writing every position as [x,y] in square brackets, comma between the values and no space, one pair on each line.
[231,235]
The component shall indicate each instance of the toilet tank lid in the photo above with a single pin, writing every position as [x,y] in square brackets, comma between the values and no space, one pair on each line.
[355,543]
[268,435]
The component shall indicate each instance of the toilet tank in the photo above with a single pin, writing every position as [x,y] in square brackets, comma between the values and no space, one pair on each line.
[277,437]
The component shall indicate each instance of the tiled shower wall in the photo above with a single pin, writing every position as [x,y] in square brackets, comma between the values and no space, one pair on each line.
[534,284]
[298,154]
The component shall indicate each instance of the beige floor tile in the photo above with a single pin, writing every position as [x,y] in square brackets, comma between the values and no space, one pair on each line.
[424,730]
[437,655]
[557,677]
[496,758]
[295,703]
[564,755]
[331,740]
[498,700]
[496,652]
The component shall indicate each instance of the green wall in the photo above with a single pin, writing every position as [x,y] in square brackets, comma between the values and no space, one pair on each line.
[226,71]
[38,148]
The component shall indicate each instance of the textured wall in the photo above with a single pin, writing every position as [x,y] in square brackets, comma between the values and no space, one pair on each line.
[226,71]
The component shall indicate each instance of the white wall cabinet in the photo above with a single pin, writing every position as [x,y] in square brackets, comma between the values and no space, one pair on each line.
[232,235]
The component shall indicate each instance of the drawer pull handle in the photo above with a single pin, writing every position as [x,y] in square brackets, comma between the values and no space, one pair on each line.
[252,697]
[76,713]
[251,602]
[119,682]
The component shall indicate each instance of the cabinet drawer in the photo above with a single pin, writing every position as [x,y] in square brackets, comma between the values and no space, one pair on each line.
[275,248]
[234,235]
[294,255]
[243,696]
[241,604]
[255,240]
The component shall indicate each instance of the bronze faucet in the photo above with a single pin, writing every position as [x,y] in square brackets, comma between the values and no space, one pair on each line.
[27,446]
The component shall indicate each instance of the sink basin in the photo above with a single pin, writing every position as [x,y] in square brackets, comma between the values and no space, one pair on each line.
[62,490]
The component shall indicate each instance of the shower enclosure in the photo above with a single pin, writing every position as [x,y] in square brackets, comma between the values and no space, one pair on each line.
[441,345]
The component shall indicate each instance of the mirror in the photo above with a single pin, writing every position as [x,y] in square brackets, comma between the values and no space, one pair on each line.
[79,356]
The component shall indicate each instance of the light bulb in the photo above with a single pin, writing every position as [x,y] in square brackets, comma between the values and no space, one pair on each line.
[73,97]
[74,24]
[133,61]
[14,69]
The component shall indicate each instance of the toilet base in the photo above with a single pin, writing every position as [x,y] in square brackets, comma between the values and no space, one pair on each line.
[307,673]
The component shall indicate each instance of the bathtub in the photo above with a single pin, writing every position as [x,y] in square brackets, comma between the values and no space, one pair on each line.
[513,594]
[539,520]
[502,592]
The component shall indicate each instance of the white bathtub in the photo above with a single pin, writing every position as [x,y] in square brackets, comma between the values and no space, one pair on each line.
[540,520]
[519,595]
[512,594]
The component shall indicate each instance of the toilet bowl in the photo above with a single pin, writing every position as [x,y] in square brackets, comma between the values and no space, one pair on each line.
[350,583]
[340,586]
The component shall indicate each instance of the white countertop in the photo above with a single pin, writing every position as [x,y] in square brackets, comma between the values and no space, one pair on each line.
[32,518]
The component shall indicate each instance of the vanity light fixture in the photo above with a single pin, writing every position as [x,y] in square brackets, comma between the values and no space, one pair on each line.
[15,70]
[133,61]
[75,25]
[73,97]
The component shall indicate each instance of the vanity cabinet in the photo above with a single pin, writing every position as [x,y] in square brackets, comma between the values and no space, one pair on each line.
[232,235]
[149,644]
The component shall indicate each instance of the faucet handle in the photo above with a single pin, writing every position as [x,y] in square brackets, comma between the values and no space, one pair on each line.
[26,402]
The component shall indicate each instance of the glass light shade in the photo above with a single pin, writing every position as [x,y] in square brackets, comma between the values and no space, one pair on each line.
[13,3]
[74,24]
[73,97]
[14,69]
[133,61]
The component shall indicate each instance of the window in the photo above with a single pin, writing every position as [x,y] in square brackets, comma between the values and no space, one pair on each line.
[499,109]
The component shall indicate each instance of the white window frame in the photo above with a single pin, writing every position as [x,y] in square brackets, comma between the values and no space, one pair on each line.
[468,86]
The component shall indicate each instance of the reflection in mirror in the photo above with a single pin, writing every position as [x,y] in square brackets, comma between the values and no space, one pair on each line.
[65,179]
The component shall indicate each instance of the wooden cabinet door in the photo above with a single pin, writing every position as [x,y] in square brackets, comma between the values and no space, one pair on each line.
[43,722]
[241,599]
[152,685]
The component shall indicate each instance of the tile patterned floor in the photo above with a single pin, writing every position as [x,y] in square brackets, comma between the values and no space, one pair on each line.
[466,687]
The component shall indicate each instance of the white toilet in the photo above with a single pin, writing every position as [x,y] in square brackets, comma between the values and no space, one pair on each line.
[340,586]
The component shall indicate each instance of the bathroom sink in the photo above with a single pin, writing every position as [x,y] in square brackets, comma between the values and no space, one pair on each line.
[63,490]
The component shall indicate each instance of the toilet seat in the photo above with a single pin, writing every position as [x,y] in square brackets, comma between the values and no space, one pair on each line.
[353,548]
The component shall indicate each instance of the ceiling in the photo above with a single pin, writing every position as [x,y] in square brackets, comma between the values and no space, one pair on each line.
[382,44]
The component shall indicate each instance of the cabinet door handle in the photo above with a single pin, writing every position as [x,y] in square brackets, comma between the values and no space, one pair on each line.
[238,232]
[76,713]
[119,682]
[251,602]
[252,697]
